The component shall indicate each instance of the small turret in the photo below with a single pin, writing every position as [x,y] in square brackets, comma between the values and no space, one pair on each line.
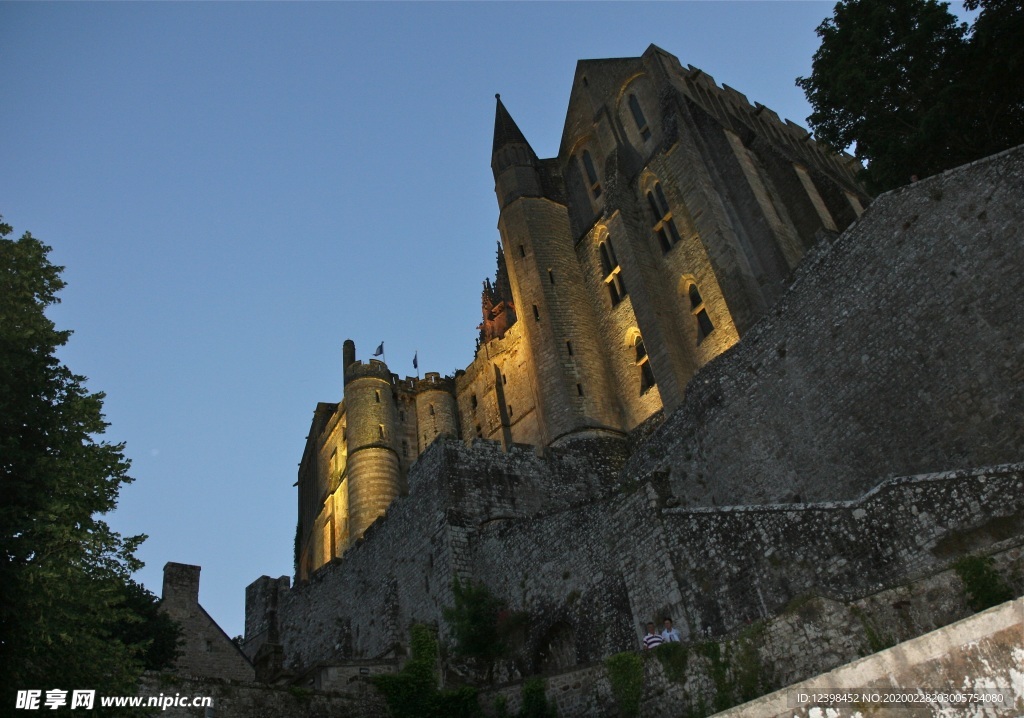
[499,312]
[436,412]
[513,161]
[348,354]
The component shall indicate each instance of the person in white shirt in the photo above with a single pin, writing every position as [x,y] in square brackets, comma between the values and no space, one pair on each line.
[670,635]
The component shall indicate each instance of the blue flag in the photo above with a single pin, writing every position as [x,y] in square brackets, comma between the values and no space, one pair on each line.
[415,360]
[380,350]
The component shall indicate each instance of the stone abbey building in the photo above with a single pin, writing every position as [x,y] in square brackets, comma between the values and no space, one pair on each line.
[668,223]
[713,382]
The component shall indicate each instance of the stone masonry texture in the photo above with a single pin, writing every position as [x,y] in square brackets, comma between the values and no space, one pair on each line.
[795,490]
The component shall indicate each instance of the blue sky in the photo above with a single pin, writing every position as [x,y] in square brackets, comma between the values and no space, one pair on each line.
[236,188]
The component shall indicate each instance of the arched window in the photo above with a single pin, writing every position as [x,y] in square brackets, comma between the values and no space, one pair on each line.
[638,118]
[588,166]
[704,325]
[611,272]
[664,227]
[644,363]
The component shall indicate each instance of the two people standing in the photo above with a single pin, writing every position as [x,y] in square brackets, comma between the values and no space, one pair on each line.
[668,635]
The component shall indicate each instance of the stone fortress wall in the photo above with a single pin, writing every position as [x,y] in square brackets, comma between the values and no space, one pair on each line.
[764,491]
[649,245]
[896,351]
[589,541]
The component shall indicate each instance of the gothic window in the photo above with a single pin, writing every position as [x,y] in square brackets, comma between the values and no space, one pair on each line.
[638,118]
[377,394]
[643,362]
[664,226]
[612,272]
[588,166]
[704,325]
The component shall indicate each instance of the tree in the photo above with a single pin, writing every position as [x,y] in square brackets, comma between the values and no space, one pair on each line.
[992,74]
[69,614]
[881,80]
[915,91]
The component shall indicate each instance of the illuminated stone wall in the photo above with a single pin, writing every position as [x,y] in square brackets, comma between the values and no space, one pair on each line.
[896,351]
[596,350]
[590,542]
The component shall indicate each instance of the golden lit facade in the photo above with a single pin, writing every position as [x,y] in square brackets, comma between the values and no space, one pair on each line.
[669,222]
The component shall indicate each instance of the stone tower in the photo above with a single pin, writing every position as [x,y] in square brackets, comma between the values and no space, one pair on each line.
[570,381]
[373,468]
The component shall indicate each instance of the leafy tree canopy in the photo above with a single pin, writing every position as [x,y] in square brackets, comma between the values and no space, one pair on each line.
[70,616]
[914,90]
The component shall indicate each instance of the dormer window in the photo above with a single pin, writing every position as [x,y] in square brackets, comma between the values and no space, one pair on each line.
[592,181]
[612,272]
[664,228]
[639,119]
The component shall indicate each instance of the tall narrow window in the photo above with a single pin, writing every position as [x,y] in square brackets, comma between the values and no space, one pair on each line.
[704,325]
[377,394]
[588,166]
[664,226]
[380,430]
[612,272]
[644,363]
[638,118]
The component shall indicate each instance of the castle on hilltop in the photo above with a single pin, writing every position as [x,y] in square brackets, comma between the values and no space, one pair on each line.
[712,382]
[670,221]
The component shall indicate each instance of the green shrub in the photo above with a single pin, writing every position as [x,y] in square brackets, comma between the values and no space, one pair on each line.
[626,674]
[674,658]
[984,586]
[413,693]
[535,700]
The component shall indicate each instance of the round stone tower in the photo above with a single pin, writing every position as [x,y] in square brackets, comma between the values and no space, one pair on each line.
[371,430]
[570,374]
[436,412]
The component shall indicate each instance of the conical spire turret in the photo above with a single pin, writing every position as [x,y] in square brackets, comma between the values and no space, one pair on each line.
[510,145]
[513,161]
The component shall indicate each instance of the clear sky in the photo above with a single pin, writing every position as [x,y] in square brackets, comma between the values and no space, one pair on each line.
[236,188]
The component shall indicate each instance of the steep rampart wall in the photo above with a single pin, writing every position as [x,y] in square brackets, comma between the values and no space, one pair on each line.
[896,351]
[591,575]
[402,570]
